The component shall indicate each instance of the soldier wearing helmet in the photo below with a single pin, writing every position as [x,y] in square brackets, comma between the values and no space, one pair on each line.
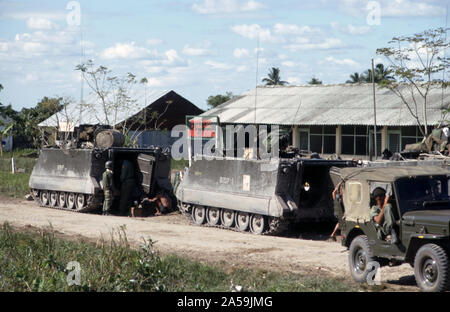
[108,188]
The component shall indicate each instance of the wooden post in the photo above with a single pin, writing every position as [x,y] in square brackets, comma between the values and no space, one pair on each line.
[374,114]
[295,136]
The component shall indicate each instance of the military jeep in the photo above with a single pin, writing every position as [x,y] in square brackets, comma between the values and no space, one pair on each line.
[420,199]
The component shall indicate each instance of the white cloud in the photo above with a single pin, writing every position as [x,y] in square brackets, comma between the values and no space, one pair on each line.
[278,33]
[240,53]
[327,44]
[351,29]
[292,29]
[40,23]
[293,80]
[125,50]
[226,6]
[344,62]
[200,50]
[392,8]
[254,31]
[218,65]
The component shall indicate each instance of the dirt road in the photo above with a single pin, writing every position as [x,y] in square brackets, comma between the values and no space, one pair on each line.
[174,234]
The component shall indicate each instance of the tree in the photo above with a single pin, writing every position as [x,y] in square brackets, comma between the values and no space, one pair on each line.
[273,78]
[315,81]
[26,124]
[417,63]
[355,78]
[215,100]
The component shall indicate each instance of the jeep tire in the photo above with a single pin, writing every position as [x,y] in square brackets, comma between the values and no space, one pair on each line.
[359,258]
[431,268]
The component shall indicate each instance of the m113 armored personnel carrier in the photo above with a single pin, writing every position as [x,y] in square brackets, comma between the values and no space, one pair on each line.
[70,178]
[260,196]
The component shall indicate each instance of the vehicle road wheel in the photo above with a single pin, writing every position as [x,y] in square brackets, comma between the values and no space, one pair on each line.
[213,216]
[359,257]
[431,268]
[258,224]
[242,221]
[71,198]
[227,217]
[62,199]
[44,198]
[53,199]
[80,201]
[198,215]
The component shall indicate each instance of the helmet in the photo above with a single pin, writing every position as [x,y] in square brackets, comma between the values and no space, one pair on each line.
[109,164]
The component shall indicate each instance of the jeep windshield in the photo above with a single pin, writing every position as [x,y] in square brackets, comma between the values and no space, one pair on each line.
[423,193]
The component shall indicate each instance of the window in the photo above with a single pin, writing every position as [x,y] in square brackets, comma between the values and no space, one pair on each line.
[354,192]
[354,140]
[411,135]
[318,139]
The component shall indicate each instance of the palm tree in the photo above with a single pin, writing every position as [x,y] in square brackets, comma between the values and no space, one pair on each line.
[274,78]
[315,81]
[381,74]
[355,78]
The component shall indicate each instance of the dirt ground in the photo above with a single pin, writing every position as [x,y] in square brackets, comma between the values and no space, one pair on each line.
[174,234]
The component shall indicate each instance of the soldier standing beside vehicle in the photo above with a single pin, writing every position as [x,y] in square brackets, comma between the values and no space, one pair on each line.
[381,214]
[338,209]
[108,188]
[127,186]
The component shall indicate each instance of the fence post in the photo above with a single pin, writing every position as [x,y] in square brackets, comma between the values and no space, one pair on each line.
[13,167]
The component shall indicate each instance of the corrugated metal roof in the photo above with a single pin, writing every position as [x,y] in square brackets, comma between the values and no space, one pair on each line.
[343,104]
[93,112]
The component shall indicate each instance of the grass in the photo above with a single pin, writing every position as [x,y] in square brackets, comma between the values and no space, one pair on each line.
[14,185]
[179,164]
[36,261]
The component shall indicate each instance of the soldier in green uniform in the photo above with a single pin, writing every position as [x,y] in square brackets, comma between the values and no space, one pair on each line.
[127,186]
[381,214]
[108,188]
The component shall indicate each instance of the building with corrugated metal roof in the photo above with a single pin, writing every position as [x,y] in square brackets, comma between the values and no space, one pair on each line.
[330,119]
[158,110]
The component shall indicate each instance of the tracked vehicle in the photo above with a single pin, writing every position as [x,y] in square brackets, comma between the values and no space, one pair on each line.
[70,179]
[260,196]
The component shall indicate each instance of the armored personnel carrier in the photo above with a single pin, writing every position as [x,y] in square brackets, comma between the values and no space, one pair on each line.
[260,196]
[70,179]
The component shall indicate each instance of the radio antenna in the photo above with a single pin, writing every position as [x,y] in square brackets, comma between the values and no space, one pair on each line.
[256,77]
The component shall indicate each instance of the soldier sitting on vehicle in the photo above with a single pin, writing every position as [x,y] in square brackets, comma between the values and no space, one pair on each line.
[109,189]
[382,215]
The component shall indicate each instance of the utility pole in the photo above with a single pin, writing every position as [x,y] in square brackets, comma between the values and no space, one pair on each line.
[374,114]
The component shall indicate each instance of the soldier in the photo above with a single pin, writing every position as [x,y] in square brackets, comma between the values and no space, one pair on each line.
[338,209]
[381,214]
[108,187]
[163,204]
[127,186]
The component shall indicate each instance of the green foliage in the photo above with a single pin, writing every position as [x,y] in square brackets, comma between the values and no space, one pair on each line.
[216,100]
[30,262]
[13,185]
[273,78]
[381,75]
[315,81]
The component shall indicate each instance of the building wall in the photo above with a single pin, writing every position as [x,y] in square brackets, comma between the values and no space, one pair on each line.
[7,143]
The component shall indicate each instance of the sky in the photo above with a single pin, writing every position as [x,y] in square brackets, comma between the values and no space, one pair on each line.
[197,48]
